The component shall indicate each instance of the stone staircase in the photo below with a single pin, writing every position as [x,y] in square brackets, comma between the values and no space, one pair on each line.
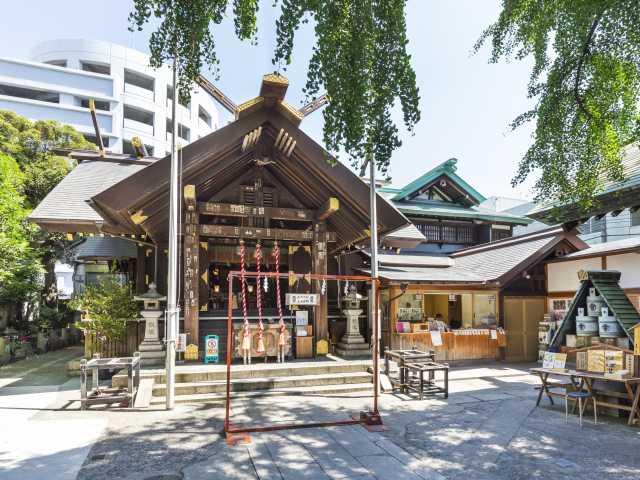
[207,383]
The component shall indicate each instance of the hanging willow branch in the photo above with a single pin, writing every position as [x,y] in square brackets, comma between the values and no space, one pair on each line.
[359,58]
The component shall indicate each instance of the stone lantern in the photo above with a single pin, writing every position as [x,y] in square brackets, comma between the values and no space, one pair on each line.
[151,349]
[352,343]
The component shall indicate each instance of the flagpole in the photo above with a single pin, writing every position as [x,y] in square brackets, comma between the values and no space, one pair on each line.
[375,321]
[171,326]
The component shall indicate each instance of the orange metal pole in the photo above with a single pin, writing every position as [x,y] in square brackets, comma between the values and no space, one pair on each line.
[376,326]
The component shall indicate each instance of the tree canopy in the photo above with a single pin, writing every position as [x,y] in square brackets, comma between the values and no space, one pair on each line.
[359,58]
[19,265]
[29,169]
[32,144]
[586,86]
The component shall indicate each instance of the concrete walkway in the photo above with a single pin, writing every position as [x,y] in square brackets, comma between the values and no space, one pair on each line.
[489,428]
[36,440]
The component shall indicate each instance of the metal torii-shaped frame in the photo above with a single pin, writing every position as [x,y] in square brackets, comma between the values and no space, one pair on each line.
[370,420]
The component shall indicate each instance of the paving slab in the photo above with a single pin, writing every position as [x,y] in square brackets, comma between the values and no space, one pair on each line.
[356,440]
[263,463]
[418,466]
[230,463]
[384,466]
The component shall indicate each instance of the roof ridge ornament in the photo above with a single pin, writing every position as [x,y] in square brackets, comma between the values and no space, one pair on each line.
[451,165]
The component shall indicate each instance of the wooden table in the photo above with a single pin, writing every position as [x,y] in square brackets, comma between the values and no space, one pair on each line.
[582,380]
[430,368]
[402,357]
[97,395]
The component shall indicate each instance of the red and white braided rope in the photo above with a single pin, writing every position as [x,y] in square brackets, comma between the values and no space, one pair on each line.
[282,329]
[260,348]
[246,340]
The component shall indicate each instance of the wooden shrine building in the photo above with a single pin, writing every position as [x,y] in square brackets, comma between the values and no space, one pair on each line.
[258,179]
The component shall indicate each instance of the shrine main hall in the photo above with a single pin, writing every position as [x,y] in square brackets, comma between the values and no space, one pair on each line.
[260,180]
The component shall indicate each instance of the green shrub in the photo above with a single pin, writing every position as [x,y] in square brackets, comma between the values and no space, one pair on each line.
[107,307]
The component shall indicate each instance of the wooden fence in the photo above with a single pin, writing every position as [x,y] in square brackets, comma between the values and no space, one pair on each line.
[124,347]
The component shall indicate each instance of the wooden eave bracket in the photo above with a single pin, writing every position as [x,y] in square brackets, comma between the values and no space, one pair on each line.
[331,206]
[139,217]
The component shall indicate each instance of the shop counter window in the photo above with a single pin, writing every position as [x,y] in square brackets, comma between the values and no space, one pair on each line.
[484,310]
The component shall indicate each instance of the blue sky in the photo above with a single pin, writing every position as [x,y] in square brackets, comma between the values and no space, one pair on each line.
[466,103]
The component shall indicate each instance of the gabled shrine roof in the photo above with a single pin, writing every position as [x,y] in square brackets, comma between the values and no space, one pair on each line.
[261,130]
[448,169]
[466,204]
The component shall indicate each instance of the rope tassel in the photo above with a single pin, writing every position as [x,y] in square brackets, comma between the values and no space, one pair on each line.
[282,329]
[260,348]
[246,338]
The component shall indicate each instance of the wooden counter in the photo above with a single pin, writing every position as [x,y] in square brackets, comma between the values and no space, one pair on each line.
[455,346]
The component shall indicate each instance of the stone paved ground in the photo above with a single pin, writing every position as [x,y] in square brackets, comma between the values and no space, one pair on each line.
[488,429]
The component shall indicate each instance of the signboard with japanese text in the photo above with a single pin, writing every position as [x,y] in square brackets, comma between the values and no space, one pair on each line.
[310,299]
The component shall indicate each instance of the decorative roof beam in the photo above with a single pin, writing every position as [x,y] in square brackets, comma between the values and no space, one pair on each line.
[235,210]
[228,231]
[251,139]
[314,105]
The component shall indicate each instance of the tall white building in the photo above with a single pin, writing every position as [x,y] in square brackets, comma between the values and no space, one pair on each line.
[131,98]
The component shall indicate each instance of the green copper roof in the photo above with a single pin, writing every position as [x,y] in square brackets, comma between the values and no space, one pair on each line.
[447,168]
[434,208]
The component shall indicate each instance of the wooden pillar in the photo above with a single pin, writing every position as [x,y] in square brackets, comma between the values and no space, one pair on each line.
[141,270]
[319,265]
[161,281]
[191,266]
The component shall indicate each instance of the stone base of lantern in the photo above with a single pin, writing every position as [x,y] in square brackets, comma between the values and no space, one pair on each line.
[151,354]
[151,349]
[352,344]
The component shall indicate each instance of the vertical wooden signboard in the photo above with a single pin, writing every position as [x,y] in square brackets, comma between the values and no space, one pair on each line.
[191,265]
[319,265]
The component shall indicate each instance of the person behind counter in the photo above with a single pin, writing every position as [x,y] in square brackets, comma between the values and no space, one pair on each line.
[438,323]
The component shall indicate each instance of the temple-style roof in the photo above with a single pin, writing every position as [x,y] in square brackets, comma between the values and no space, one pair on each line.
[491,264]
[615,247]
[263,137]
[65,208]
[442,194]
[614,196]
[446,170]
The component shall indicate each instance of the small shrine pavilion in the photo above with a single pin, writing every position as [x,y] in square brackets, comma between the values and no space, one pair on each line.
[258,180]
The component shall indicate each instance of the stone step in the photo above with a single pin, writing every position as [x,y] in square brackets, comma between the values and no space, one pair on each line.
[265,383]
[210,373]
[219,398]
